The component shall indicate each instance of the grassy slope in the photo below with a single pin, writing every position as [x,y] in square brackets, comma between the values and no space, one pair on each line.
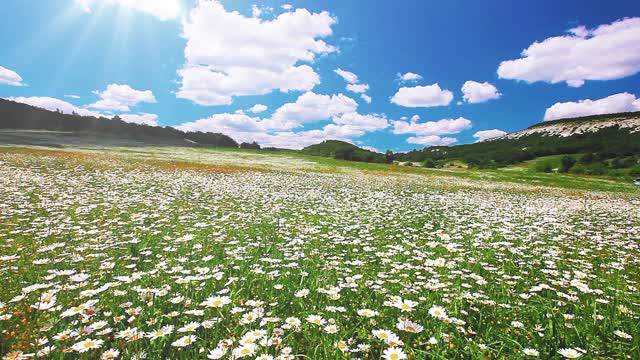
[609,143]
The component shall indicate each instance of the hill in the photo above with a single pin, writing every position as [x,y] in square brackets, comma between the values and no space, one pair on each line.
[582,125]
[344,151]
[14,115]
[595,145]
[602,144]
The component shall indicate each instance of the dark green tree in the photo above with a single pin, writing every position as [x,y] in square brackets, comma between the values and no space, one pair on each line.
[344,153]
[429,163]
[388,157]
[588,158]
[253,145]
[566,163]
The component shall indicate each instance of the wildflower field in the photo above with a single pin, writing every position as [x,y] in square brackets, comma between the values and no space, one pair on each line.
[104,256]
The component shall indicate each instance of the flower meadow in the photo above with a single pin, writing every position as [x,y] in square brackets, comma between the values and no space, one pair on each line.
[102,258]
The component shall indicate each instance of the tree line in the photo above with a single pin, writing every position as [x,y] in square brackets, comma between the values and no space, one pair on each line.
[14,115]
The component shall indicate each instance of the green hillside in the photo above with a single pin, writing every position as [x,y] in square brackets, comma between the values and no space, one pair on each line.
[345,151]
[594,145]
[608,146]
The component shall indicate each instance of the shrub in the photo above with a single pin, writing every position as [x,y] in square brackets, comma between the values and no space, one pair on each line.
[429,163]
[254,145]
[566,163]
[587,158]
[579,169]
[597,169]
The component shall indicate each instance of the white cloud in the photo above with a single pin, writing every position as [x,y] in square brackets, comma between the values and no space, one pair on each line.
[226,123]
[580,31]
[143,119]
[353,86]
[475,92]
[256,11]
[311,107]
[431,140]
[610,51]
[9,77]
[54,104]
[208,88]
[348,76]
[71,96]
[422,96]
[162,9]
[488,134]
[258,108]
[121,97]
[345,123]
[247,129]
[429,133]
[366,123]
[287,7]
[298,140]
[440,127]
[371,148]
[330,132]
[358,88]
[623,102]
[409,77]
[228,54]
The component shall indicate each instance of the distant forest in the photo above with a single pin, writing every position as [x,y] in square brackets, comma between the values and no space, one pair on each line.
[15,115]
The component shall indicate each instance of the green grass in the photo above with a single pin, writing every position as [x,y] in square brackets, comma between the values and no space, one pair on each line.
[516,259]
[553,160]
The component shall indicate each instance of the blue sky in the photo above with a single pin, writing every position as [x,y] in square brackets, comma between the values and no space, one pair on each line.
[199,66]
